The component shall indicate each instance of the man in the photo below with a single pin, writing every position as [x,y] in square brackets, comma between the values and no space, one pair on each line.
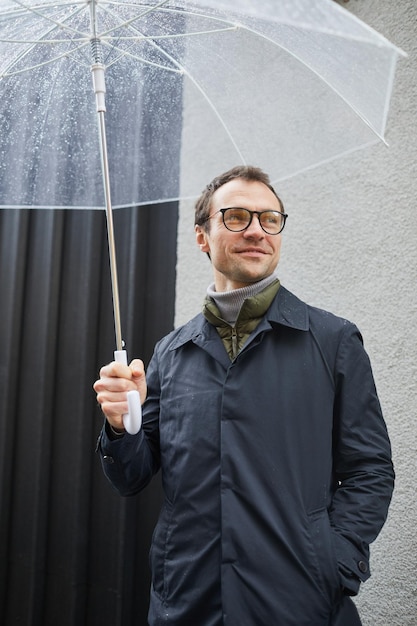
[263,417]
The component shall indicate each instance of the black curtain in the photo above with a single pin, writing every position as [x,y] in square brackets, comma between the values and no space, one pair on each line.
[72,551]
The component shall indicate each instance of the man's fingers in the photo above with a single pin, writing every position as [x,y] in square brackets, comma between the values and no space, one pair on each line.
[115,370]
[115,377]
[114,385]
[137,368]
[138,373]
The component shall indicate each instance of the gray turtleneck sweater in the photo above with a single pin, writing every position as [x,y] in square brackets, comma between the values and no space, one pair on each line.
[229,303]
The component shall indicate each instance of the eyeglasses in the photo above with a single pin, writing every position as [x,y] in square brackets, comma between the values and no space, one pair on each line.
[238,219]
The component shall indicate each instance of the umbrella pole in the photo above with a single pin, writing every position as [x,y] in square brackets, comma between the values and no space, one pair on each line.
[99,84]
[110,235]
[99,88]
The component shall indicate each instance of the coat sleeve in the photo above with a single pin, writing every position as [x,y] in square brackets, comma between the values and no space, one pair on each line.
[129,462]
[362,465]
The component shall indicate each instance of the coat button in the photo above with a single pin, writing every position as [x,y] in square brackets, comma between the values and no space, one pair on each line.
[108,459]
[363,567]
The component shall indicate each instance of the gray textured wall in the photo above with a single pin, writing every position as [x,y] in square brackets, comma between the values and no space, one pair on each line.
[358,258]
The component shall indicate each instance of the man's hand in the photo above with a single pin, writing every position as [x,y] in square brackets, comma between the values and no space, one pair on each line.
[115,381]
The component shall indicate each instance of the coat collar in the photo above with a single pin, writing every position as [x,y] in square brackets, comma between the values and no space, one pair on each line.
[286,309]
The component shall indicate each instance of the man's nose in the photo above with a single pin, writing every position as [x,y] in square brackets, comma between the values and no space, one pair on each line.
[254,229]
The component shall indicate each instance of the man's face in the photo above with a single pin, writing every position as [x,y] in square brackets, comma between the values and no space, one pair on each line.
[240,259]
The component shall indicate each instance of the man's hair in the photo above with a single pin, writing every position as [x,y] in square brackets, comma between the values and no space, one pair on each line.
[246,172]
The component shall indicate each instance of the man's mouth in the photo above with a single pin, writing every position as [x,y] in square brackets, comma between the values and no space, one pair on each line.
[251,251]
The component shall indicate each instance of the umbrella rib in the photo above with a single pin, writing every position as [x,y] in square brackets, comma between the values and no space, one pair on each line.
[175,35]
[125,53]
[41,41]
[330,159]
[217,114]
[30,68]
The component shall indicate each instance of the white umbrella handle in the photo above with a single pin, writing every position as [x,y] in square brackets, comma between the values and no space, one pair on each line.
[132,421]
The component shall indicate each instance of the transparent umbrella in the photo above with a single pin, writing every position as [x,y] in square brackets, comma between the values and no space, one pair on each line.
[282,84]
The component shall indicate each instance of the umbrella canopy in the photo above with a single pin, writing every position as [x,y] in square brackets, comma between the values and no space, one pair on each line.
[285,85]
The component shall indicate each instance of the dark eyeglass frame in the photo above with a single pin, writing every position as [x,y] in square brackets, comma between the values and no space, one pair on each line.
[251,213]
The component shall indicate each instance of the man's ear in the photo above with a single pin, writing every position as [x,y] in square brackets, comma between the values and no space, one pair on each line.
[201,238]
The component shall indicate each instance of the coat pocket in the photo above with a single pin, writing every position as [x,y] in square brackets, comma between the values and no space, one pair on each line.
[327,572]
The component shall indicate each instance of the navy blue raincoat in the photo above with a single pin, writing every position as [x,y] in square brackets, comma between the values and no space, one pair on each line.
[276,469]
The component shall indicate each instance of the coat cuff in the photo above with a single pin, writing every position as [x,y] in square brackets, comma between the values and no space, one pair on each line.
[353,564]
[106,438]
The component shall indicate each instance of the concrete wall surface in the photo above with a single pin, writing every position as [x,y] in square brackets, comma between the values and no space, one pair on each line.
[350,246]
